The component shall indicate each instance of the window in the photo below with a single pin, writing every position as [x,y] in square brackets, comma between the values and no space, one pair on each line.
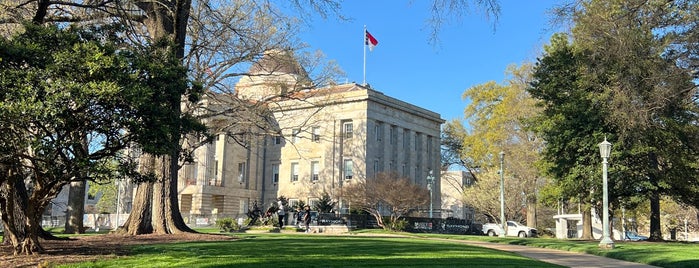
[277,140]
[347,129]
[295,134]
[348,169]
[392,135]
[243,206]
[191,173]
[293,203]
[313,203]
[316,134]
[241,172]
[377,131]
[315,170]
[404,170]
[294,171]
[376,167]
[275,173]
[215,180]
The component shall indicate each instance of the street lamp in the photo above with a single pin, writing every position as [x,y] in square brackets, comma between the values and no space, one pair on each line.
[430,183]
[605,149]
[502,195]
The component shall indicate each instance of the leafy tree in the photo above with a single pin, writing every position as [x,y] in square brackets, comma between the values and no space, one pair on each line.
[631,67]
[498,116]
[569,123]
[649,96]
[386,193]
[60,87]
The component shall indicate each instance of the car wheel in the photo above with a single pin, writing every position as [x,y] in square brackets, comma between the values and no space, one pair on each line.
[491,233]
[522,234]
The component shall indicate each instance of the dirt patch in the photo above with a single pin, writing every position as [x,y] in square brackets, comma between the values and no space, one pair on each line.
[96,247]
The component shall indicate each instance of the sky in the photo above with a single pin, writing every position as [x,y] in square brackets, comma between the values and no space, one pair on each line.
[406,66]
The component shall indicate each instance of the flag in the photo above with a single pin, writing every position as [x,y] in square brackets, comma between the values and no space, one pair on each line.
[369,40]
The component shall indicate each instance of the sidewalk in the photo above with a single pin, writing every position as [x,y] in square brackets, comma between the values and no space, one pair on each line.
[560,257]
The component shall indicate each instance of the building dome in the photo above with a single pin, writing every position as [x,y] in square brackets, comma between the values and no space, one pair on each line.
[278,61]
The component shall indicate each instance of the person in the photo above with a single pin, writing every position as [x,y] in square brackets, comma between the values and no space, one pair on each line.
[307,218]
[299,217]
[281,213]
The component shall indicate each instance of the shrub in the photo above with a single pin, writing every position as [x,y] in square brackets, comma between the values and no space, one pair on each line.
[398,225]
[227,224]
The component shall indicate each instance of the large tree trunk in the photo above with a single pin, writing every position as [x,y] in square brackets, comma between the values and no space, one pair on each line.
[13,199]
[166,19]
[76,208]
[655,230]
[587,222]
[531,211]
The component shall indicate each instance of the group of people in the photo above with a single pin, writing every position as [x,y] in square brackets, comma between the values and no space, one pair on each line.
[301,216]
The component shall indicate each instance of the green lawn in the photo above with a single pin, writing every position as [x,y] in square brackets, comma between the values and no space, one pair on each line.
[663,254]
[293,250]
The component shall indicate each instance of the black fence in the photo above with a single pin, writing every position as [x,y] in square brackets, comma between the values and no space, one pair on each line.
[415,224]
[442,226]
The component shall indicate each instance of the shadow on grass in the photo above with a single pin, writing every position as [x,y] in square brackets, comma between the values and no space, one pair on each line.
[318,251]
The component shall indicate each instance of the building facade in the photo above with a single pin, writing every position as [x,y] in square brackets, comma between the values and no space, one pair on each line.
[324,139]
[452,192]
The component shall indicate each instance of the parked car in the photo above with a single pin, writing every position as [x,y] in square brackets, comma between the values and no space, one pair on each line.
[633,236]
[513,229]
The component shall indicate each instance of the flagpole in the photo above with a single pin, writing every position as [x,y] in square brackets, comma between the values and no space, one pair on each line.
[364,65]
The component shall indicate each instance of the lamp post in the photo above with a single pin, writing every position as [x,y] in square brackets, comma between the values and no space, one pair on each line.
[430,182]
[502,195]
[605,149]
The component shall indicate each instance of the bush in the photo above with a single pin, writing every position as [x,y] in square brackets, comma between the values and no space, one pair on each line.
[227,224]
[398,225]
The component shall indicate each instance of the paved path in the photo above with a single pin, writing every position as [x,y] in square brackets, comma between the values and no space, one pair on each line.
[560,257]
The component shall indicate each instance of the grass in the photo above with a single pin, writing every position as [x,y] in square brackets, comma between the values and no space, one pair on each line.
[294,250]
[291,250]
[663,254]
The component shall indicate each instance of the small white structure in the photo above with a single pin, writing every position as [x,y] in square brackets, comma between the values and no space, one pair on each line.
[570,226]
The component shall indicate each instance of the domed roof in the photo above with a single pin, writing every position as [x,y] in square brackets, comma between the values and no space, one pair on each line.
[277,61]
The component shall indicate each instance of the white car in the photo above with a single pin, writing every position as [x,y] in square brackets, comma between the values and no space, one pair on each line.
[513,229]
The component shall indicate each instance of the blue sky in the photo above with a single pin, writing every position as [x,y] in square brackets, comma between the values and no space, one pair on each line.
[406,66]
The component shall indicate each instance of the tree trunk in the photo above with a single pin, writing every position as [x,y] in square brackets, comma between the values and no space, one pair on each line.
[12,198]
[587,222]
[166,19]
[531,211]
[655,230]
[76,208]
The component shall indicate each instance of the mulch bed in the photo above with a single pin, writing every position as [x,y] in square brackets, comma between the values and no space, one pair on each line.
[94,247]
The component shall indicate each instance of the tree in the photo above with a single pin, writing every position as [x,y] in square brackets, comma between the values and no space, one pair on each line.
[165,24]
[498,116]
[325,204]
[569,123]
[96,90]
[386,193]
[484,197]
[650,98]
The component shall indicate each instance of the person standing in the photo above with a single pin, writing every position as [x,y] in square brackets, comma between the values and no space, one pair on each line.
[307,218]
[281,213]
[299,217]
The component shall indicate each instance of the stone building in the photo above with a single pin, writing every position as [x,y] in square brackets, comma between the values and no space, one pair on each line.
[310,142]
[453,184]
